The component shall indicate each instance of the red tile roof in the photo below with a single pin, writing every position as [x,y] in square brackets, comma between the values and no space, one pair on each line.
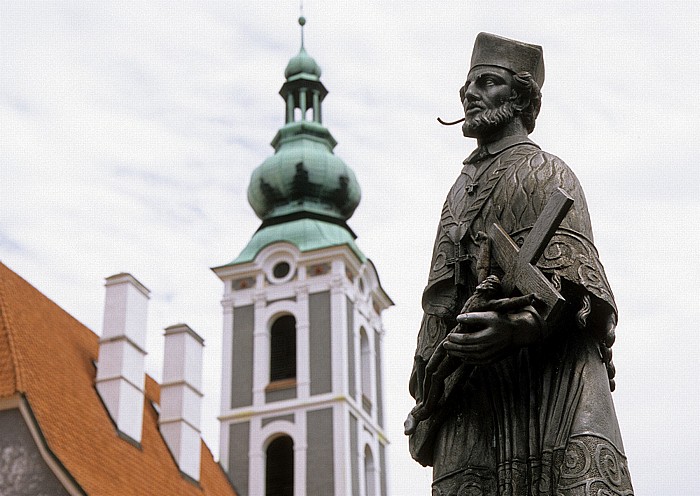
[48,356]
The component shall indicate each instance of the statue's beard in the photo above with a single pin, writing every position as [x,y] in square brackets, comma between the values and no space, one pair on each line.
[489,120]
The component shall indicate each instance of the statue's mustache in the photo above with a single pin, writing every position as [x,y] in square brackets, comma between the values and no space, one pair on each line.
[471,105]
[444,123]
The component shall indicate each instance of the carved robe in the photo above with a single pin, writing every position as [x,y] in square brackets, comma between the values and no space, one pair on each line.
[540,421]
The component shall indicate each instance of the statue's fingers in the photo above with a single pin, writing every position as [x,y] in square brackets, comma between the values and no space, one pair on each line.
[470,347]
[460,348]
[471,355]
[458,338]
[477,319]
[466,338]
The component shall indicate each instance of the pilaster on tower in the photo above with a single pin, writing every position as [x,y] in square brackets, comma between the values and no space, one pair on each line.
[302,392]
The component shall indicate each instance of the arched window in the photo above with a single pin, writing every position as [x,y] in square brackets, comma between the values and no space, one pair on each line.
[283,349]
[279,467]
[370,473]
[365,371]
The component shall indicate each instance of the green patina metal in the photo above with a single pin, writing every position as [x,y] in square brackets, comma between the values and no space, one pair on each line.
[303,193]
[305,234]
[302,63]
[303,175]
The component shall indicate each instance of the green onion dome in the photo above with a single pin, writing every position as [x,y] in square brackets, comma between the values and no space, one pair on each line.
[302,64]
[304,176]
[303,193]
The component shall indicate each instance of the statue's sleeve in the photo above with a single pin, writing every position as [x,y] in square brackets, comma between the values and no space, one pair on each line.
[439,303]
[571,256]
[440,300]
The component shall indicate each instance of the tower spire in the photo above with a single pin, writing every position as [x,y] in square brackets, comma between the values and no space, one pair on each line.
[302,21]
[303,179]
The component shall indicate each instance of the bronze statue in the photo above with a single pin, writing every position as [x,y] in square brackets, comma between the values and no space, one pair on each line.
[513,370]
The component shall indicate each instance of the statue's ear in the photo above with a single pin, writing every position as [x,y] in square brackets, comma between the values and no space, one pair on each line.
[521,94]
[520,100]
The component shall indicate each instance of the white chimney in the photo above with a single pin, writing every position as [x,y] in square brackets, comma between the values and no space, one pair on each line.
[120,366]
[181,397]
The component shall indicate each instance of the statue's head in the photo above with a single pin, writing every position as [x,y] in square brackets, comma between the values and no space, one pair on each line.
[503,84]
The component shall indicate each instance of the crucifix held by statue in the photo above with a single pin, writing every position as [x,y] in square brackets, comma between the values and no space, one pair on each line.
[513,369]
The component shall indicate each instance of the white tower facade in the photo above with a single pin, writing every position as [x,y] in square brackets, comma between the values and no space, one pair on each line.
[331,403]
[302,408]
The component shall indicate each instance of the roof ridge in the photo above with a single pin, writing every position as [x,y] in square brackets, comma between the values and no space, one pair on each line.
[6,326]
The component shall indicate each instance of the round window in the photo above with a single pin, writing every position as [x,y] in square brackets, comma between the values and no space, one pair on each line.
[280,270]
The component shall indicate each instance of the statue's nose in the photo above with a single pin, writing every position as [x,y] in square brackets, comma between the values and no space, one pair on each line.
[470,93]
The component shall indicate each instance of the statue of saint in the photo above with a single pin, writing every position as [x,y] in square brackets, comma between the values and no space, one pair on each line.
[513,398]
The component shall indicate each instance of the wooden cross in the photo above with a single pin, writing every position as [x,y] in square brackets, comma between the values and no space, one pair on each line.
[519,263]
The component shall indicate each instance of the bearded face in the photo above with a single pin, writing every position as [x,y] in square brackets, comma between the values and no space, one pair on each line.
[487,97]
[480,121]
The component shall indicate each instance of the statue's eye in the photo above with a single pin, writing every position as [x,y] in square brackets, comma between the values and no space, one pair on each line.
[488,80]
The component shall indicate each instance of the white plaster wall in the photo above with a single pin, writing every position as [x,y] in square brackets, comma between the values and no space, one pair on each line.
[271,300]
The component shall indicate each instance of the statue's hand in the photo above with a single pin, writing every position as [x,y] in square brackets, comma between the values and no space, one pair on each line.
[489,336]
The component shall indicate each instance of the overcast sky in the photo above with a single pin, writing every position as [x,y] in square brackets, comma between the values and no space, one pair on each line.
[128,133]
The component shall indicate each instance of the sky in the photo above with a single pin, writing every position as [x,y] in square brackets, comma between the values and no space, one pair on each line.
[129,131]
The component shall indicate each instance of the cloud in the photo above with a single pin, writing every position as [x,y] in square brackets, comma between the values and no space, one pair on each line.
[9,244]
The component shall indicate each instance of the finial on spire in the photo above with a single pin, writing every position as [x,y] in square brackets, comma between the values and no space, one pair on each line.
[302,21]
[302,62]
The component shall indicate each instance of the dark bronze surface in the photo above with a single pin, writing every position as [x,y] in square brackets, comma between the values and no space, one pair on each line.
[518,264]
[513,393]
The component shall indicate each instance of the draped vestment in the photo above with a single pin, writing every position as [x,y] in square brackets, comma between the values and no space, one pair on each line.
[540,421]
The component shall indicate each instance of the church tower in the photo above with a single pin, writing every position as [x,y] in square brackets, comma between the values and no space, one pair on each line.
[302,393]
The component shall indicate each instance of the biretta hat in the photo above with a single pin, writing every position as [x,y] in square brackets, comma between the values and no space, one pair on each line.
[513,55]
